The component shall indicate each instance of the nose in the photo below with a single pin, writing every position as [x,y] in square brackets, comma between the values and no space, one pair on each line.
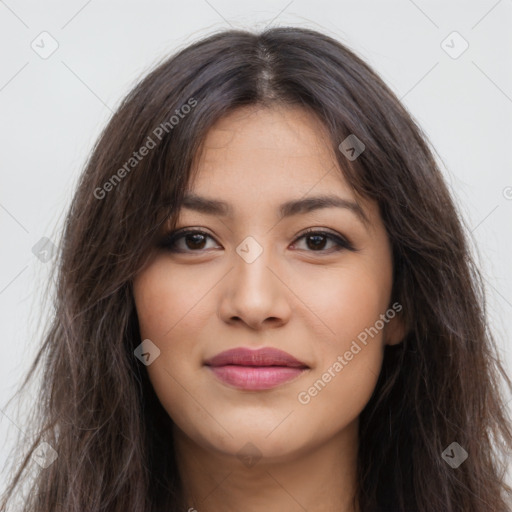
[255,294]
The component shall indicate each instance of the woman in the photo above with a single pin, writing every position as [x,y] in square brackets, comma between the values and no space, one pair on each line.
[266,301]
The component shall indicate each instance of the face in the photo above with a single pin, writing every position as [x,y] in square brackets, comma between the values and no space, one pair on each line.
[314,282]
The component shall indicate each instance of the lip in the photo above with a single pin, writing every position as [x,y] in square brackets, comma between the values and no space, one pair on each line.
[255,370]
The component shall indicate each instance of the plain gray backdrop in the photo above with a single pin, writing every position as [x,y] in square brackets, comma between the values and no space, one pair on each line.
[65,66]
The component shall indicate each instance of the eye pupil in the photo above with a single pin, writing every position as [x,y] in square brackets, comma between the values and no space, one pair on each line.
[317,245]
[195,241]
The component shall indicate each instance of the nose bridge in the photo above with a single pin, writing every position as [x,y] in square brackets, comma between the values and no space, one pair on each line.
[253,292]
[251,266]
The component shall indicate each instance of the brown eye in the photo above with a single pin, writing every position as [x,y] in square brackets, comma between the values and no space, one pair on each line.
[194,241]
[316,241]
[185,241]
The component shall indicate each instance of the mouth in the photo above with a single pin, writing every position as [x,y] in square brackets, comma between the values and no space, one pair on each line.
[255,370]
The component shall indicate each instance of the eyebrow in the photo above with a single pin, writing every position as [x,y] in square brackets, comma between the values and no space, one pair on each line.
[287,209]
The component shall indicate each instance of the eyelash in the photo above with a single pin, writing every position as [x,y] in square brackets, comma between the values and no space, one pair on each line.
[169,240]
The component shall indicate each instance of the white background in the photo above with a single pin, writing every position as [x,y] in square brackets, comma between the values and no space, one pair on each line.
[53,109]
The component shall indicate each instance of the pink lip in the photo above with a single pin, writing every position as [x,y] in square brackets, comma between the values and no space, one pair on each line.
[255,369]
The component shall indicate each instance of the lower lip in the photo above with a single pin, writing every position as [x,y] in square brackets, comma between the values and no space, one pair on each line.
[256,377]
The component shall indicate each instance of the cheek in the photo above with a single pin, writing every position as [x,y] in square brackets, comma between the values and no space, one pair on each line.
[345,301]
[350,354]
[167,301]
[171,309]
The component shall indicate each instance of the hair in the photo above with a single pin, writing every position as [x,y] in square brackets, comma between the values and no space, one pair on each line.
[440,385]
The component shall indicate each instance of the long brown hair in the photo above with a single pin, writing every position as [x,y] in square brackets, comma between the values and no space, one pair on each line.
[441,385]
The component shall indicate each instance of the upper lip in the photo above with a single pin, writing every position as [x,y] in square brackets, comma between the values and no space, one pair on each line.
[266,356]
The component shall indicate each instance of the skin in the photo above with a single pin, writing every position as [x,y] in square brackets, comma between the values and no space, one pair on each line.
[206,299]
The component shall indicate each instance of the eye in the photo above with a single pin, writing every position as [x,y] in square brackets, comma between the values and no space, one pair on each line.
[194,240]
[317,240]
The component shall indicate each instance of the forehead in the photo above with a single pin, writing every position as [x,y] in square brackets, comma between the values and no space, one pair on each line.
[258,161]
[270,126]
[264,150]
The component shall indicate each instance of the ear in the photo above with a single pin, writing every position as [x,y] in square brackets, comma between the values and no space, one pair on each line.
[394,332]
